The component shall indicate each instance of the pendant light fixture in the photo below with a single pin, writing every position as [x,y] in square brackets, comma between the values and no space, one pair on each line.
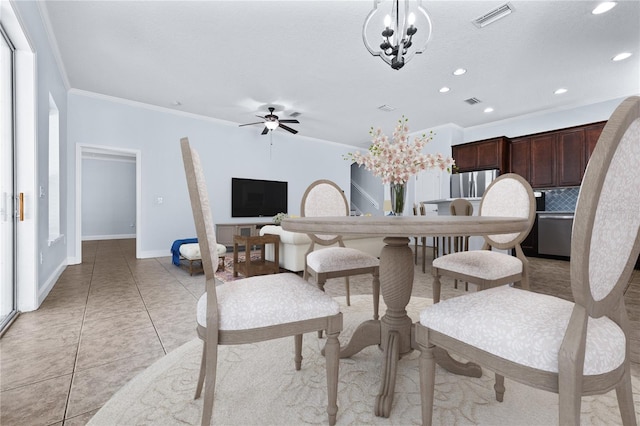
[396,30]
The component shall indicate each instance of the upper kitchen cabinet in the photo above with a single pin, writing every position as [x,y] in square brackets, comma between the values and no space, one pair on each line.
[520,157]
[591,136]
[554,159]
[482,155]
[543,161]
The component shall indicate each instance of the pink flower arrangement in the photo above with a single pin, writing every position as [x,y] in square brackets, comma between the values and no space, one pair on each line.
[396,161]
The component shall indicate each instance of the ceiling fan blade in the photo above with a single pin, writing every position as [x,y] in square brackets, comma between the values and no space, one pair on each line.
[288,129]
[259,116]
[289,121]
[265,131]
[250,124]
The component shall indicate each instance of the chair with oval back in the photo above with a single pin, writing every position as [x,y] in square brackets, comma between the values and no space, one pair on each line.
[511,196]
[325,198]
[460,207]
[570,348]
[254,309]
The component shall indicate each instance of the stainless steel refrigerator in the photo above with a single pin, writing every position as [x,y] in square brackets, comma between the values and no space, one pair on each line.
[471,184]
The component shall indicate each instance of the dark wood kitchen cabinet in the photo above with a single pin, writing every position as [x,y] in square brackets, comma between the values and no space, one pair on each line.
[591,136]
[520,157]
[543,160]
[554,159]
[570,149]
[482,155]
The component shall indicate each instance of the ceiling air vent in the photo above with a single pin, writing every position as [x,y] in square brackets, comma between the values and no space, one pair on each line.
[472,101]
[295,114]
[386,108]
[492,16]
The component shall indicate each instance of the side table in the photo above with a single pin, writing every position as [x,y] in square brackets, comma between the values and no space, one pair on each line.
[249,267]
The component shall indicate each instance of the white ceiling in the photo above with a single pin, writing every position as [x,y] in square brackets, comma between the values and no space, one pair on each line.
[228,59]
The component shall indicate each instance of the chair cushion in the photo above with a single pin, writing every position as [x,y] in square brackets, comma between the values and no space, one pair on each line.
[332,259]
[484,264]
[192,251]
[266,300]
[524,327]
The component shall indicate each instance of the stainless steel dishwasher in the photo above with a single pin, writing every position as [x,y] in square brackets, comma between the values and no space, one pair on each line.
[554,233]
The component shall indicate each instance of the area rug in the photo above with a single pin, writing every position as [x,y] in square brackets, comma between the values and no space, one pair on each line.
[257,385]
[226,274]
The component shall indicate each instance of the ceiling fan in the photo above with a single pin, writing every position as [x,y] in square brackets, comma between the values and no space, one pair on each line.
[271,122]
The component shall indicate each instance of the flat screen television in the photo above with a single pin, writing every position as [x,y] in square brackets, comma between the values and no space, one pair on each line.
[257,198]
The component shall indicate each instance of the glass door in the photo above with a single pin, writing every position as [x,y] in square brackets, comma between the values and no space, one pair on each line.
[7,187]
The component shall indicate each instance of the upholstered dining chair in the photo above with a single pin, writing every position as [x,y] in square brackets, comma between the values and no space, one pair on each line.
[511,196]
[254,309]
[325,198]
[571,348]
[421,241]
[460,207]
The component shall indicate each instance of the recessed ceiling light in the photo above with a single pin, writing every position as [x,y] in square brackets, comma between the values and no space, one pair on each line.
[487,110]
[621,56]
[459,71]
[603,7]
[444,89]
[560,91]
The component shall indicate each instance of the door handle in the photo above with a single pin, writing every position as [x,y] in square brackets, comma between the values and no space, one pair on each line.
[22,207]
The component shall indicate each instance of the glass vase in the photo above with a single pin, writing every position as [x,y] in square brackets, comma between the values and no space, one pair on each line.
[398,198]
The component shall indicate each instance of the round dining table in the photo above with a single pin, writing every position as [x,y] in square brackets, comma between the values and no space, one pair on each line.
[393,332]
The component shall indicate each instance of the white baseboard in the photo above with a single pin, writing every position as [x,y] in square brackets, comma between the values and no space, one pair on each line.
[154,253]
[51,281]
[107,237]
[73,261]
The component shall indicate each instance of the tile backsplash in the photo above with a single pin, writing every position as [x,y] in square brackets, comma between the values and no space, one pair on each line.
[561,199]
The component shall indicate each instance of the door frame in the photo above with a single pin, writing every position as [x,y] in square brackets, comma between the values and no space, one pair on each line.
[107,150]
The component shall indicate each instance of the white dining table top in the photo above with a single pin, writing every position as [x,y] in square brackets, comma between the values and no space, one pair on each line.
[406,226]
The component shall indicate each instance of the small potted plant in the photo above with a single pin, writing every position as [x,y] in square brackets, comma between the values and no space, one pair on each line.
[277,219]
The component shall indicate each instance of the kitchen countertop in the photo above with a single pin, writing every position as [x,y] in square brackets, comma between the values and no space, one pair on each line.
[448,200]
[555,212]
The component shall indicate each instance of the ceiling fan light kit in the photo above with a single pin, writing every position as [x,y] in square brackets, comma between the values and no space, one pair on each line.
[272,122]
[405,27]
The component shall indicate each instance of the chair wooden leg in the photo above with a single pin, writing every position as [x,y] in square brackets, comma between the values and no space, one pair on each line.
[332,358]
[427,371]
[624,393]
[320,281]
[298,351]
[499,387]
[348,290]
[203,362]
[210,382]
[424,254]
[436,288]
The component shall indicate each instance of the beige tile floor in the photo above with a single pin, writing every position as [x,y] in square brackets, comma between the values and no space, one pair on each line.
[109,318]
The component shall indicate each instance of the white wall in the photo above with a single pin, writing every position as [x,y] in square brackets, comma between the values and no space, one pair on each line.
[542,121]
[225,149]
[47,260]
[108,199]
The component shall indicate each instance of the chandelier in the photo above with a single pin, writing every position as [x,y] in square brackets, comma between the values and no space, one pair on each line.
[405,28]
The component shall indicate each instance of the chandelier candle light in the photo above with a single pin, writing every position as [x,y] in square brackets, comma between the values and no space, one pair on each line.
[398,22]
[397,160]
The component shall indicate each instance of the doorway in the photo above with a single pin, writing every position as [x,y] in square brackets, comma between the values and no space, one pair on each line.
[106,153]
[8,216]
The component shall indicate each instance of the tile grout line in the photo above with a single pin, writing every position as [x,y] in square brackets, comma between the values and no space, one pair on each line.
[135,280]
[84,315]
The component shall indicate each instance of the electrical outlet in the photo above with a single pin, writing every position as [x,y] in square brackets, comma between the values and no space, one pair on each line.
[41,258]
